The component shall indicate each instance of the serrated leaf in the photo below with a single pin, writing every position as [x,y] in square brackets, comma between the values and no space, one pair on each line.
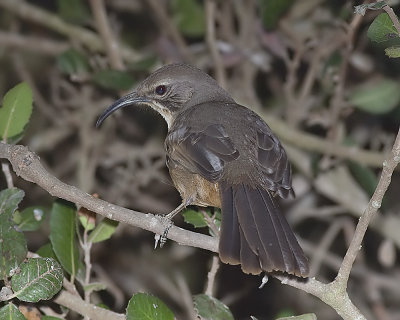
[62,235]
[209,308]
[114,79]
[11,312]
[145,306]
[308,316]
[104,230]
[30,218]
[376,97]
[72,62]
[16,110]
[382,29]
[13,247]
[195,218]
[393,52]
[189,16]
[38,279]
[73,11]
[272,10]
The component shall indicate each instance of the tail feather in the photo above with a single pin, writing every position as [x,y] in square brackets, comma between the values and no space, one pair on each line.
[229,241]
[248,259]
[256,235]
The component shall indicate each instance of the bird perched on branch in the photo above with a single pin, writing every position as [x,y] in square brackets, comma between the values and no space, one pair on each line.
[224,155]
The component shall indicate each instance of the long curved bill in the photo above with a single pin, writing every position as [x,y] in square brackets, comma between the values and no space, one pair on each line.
[130,99]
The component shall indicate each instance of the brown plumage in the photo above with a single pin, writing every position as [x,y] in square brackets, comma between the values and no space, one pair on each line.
[224,155]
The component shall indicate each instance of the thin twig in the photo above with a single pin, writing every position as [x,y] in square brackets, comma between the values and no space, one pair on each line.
[374,204]
[311,142]
[45,18]
[7,173]
[211,42]
[163,19]
[87,246]
[32,43]
[211,276]
[110,43]
[75,303]
[393,17]
[334,293]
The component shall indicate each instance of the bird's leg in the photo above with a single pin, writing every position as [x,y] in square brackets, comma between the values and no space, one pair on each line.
[167,221]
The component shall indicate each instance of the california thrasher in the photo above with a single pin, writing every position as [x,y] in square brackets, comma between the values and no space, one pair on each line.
[224,155]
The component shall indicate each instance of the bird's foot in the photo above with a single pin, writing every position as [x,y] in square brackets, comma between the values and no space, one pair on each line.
[166,221]
[162,239]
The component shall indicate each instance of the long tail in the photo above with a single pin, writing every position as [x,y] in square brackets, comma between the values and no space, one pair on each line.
[256,235]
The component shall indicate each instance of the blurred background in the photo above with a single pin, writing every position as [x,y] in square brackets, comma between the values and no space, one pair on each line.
[308,67]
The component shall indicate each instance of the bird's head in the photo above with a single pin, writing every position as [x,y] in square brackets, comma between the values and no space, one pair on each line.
[170,90]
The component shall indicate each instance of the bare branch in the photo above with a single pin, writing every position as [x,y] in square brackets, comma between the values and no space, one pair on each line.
[110,43]
[74,302]
[374,204]
[211,276]
[393,17]
[87,38]
[211,42]
[27,165]
[310,142]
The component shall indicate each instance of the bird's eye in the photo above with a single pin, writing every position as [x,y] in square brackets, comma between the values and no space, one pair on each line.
[161,89]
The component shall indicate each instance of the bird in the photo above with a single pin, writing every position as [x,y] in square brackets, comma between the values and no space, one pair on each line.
[222,154]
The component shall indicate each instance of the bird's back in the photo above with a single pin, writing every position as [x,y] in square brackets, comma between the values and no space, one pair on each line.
[261,161]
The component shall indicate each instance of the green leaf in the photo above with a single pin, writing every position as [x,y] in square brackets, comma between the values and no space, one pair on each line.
[365,177]
[104,230]
[62,235]
[145,306]
[30,218]
[272,10]
[209,308]
[9,200]
[50,318]
[376,97]
[46,251]
[73,11]
[39,279]
[72,62]
[382,29]
[195,218]
[114,79]
[189,16]
[393,52]
[16,110]
[95,286]
[308,316]
[12,242]
[11,312]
